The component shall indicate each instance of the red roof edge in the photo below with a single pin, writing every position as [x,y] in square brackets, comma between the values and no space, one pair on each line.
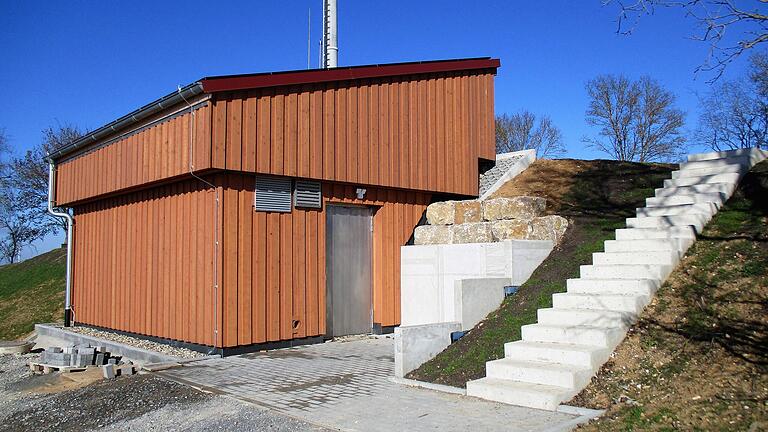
[242,82]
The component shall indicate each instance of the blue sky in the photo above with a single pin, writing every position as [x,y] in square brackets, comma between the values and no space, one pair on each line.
[88,62]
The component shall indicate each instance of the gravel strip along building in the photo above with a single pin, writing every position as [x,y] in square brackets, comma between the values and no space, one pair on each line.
[265,210]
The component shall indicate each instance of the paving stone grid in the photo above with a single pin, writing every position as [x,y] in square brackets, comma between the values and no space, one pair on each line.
[347,385]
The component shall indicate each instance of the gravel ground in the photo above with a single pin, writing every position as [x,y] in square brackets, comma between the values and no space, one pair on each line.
[137,403]
[136,342]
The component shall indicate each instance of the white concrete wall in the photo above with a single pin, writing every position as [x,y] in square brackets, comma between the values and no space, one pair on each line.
[474,299]
[415,345]
[429,273]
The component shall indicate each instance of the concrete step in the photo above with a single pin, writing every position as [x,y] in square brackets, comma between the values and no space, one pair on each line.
[554,374]
[613,286]
[694,220]
[707,209]
[715,198]
[732,178]
[725,189]
[743,160]
[603,337]
[628,271]
[519,393]
[679,232]
[699,172]
[754,154]
[632,303]
[586,317]
[636,257]
[641,245]
[578,355]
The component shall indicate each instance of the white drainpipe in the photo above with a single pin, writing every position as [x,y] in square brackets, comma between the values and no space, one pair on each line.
[70,224]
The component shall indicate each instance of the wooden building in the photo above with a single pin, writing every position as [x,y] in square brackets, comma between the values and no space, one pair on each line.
[269,209]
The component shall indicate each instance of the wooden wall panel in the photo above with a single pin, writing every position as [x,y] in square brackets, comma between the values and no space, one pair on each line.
[421,133]
[143,263]
[274,263]
[156,153]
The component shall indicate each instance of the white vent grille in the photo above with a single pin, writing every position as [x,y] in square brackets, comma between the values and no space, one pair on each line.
[308,194]
[273,194]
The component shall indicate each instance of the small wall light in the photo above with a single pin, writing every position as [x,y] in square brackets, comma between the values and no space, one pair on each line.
[510,290]
[360,193]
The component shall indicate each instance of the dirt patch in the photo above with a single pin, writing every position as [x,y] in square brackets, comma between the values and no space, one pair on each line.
[596,196]
[698,357]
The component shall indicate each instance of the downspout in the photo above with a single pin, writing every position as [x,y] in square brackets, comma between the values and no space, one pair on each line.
[70,225]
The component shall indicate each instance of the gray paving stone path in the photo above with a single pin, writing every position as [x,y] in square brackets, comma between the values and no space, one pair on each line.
[347,385]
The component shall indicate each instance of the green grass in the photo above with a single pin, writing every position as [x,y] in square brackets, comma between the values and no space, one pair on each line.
[31,292]
[597,204]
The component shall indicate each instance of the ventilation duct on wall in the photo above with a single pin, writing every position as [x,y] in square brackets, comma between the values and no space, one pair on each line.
[273,194]
[308,194]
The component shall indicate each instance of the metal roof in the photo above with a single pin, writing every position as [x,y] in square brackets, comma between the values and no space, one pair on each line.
[226,83]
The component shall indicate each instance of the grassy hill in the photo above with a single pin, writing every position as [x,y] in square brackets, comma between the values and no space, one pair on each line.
[596,196]
[31,292]
[697,359]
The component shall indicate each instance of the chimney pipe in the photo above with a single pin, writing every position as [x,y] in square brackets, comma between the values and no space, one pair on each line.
[330,39]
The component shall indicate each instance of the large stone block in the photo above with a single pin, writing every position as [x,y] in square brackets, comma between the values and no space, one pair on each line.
[479,232]
[468,212]
[548,228]
[520,207]
[441,213]
[513,229]
[433,234]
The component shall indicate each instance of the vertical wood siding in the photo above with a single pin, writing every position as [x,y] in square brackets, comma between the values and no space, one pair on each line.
[423,133]
[420,133]
[144,262]
[274,263]
[159,152]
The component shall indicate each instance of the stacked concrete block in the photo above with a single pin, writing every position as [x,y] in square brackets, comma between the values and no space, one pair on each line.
[558,356]
[75,356]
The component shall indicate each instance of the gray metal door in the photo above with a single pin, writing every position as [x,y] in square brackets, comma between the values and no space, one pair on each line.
[348,270]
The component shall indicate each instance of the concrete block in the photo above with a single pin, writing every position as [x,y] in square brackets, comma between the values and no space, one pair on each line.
[415,345]
[519,393]
[474,299]
[632,303]
[559,375]
[109,371]
[707,209]
[613,286]
[578,355]
[581,335]
[99,359]
[690,181]
[700,172]
[54,350]
[428,273]
[584,317]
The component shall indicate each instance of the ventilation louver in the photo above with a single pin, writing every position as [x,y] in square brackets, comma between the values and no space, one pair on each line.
[307,194]
[273,194]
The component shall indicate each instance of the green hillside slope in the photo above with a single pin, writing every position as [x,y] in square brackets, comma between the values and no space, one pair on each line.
[31,292]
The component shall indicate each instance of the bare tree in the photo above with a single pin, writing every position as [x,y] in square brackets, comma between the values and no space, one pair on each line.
[521,131]
[5,157]
[637,120]
[716,17]
[30,177]
[735,113]
[18,228]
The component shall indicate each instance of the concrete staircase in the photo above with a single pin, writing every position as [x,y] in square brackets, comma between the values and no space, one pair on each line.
[558,356]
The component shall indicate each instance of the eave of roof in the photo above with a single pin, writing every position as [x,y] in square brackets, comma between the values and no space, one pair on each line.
[311,76]
[225,83]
